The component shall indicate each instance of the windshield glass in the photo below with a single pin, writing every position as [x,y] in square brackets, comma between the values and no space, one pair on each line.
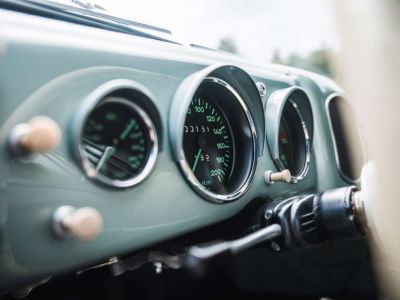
[290,32]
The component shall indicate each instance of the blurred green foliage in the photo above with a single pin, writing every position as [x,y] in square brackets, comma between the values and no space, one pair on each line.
[318,61]
[228,45]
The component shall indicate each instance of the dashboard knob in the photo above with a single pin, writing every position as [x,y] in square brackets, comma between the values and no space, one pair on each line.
[283,176]
[41,134]
[83,223]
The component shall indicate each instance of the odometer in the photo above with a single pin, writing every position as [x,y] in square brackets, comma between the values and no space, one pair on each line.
[209,149]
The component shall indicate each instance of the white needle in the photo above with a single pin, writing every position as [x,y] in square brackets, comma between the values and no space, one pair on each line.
[104,158]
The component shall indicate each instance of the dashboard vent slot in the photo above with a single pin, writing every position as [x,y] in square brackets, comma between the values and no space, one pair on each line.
[307,222]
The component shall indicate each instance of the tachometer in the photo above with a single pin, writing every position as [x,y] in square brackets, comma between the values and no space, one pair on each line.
[119,143]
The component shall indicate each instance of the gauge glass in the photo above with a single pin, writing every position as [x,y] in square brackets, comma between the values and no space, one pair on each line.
[116,141]
[208,144]
[218,142]
[291,140]
[285,145]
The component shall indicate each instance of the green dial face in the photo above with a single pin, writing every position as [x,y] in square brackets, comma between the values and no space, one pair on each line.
[115,141]
[208,144]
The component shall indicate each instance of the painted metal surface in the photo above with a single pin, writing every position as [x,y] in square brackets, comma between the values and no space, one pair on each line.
[49,68]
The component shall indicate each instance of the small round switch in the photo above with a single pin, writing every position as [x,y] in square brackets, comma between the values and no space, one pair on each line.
[283,176]
[41,134]
[83,223]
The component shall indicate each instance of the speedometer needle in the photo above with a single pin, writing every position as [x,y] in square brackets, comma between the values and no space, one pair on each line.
[196,160]
[127,129]
[105,157]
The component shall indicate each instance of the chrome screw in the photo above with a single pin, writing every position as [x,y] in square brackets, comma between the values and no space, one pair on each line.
[262,89]
[268,214]
[275,247]
[158,267]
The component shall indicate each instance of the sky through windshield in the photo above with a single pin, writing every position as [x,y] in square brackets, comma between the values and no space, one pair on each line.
[283,31]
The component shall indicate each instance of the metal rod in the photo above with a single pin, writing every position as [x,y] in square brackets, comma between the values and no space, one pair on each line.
[235,246]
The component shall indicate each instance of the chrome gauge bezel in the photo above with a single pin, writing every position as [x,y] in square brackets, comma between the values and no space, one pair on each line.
[337,159]
[298,99]
[184,166]
[94,100]
[307,152]
[343,174]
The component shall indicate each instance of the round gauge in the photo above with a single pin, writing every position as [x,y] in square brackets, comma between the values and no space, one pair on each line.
[119,143]
[290,130]
[218,142]
[292,140]
[208,144]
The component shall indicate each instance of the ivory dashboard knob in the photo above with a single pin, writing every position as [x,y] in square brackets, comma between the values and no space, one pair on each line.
[41,134]
[83,223]
[283,176]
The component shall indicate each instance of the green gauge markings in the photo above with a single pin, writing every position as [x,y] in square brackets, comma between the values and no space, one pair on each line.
[115,141]
[127,129]
[105,157]
[216,146]
[207,143]
[196,160]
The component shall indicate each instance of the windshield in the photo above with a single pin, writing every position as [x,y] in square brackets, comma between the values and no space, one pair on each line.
[289,32]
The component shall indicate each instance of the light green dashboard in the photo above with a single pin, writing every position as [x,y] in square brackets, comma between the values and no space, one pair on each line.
[50,68]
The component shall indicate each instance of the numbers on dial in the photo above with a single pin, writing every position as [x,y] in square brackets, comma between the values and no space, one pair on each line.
[208,143]
[115,141]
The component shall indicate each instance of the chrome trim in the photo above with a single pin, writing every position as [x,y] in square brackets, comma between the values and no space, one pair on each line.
[262,89]
[57,221]
[100,96]
[307,142]
[197,186]
[278,100]
[13,141]
[97,13]
[335,149]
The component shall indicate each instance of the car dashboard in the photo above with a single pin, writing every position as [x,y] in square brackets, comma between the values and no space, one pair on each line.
[160,139]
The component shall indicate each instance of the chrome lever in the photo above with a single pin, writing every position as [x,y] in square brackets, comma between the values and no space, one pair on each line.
[199,255]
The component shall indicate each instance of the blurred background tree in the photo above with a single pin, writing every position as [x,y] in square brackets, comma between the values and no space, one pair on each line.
[228,45]
[317,61]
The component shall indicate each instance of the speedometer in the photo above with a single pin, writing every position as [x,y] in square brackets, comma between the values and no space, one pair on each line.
[208,144]
[218,141]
